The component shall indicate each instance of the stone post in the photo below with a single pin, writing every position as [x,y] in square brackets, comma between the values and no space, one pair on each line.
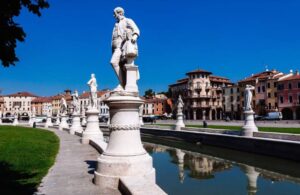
[249,125]
[48,122]
[132,74]
[16,122]
[63,124]
[124,155]
[76,126]
[203,114]
[194,115]
[92,130]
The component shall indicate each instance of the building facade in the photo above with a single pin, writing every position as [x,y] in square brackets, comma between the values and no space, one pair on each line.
[289,96]
[202,94]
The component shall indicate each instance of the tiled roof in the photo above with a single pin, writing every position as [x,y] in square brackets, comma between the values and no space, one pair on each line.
[198,71]
[215,78]
[180,81]
[42,100]
[261,76]
[99,94]
[22,94]
[154,100]
[293,77]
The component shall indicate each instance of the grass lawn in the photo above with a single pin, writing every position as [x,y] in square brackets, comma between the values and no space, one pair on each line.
[26,154]
[238,128]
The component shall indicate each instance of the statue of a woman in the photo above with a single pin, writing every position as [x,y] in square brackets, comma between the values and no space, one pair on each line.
[76,104]
[248,97]
[63,106]
[180,105]
[93,91]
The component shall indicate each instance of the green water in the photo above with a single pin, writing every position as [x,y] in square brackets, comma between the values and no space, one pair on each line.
[188,169]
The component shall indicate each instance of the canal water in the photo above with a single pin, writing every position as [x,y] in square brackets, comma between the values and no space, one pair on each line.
[188,169]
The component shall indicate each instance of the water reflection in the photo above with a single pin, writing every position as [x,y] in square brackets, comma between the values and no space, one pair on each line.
[206,167]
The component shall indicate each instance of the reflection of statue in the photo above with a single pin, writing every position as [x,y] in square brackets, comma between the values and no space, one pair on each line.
[180,105]
[93,91]
[124,46]
[75,102]
[63,106]
[252,175]
[248,97]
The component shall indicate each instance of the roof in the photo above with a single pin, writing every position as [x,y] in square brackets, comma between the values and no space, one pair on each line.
[99,94]
[180,81]
[154,100]
[263,76]
[215,78]
[293,77]
[22,94]
[198,71]
[42,100]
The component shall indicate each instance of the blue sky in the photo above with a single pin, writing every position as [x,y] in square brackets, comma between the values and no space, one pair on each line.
[231,38]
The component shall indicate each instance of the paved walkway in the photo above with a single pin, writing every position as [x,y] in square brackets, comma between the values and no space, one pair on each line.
[73,170]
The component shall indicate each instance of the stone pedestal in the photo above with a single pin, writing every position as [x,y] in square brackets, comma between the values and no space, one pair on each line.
[57,122]
[48,122]
[63,124]
[124,155]
[249,126]
[141,115]
[132,77]
[179,123]
[92,129]
[15,122]
[76,126]
[83,121]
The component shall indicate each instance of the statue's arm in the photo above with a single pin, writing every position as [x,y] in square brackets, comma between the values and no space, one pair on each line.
[133,26]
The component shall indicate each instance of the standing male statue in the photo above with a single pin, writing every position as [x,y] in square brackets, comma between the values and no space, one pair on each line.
[63,106]
[75,102]
[248,97]
[93,91]
[124,45]
[180,105]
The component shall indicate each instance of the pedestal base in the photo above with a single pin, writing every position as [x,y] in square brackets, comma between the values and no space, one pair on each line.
[76,126]
[179,123]
[249,126]
[16,122]
[63,124]
[92,129]
[48,122]
[31,121]
[111,168]
[57,122]
[124,155]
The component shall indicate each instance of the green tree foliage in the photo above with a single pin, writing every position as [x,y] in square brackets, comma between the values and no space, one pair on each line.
[10,31]
[149,93]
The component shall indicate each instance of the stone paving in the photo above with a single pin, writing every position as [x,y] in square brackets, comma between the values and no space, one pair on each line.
[73,170]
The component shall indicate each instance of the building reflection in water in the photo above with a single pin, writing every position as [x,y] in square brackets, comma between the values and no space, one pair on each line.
[202,166]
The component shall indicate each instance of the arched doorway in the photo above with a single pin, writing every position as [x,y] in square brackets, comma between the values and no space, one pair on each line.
[287,114]
[213,113]
[8,114]
[298,113]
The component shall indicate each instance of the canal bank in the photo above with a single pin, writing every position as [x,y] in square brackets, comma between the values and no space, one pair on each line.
[265,146]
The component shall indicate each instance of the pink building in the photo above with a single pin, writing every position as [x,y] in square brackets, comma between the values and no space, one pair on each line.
[289,97]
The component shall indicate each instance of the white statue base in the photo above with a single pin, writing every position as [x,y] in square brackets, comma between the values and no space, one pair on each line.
[83,121]
[92,130]
[124,155]
[57,122]
[76,126]
[63,124]
[31,121]
[249,126]
[15,122]
[179,123]
[48,122]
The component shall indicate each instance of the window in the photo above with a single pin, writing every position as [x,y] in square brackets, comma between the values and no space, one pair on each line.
[231,91]
[263,89]
[275,84]
[269,85]
[299,85]
[270,106]
[231,98]
[275,94]
[290,85]
[281,99]
[238,98]
[290,99]
[276,105]
[238,90]
[258,89]
[269,95]
[299,99]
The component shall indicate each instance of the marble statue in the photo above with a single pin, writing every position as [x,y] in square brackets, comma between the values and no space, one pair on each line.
[180,104]
[124,46]
[93,92]
[63,106]
[248,97]
[75,102]
[49,111]
[33,112]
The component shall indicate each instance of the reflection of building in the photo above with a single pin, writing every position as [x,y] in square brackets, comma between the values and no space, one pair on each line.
[18,103]
[202,94]
[289,96]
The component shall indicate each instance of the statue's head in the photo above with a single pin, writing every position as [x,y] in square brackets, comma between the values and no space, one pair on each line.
[119,13]
[93,75]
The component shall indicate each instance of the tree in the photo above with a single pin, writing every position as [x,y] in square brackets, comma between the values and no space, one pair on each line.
[10,31]
[149,93]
